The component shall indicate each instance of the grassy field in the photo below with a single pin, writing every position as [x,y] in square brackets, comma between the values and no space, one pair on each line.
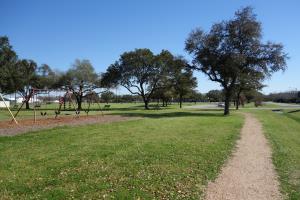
[283,132]
[168,153]
[94,109]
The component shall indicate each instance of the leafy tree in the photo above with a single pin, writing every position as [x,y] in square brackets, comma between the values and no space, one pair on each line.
[8,59]
[196,96]
[28,80]
[215,95]
[233,48]
[165,86]
[46,77]
[81,80]
[107,96]
[247,82]
[139,71]
[183,79]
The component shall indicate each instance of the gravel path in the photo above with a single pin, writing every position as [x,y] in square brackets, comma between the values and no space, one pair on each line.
[249,173]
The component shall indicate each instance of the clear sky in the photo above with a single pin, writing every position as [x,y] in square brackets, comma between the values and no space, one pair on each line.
[56,32]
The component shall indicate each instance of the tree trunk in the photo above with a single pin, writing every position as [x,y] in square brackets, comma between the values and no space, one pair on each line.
[238,100]
[237,105]
[227,103]
[27,105]
[79,107]
[180,101]
[146,104]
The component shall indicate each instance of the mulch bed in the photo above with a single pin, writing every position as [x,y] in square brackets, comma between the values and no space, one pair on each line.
[9,128]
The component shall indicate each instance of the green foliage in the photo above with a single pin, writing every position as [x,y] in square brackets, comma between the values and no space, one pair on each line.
[139,71]
[107,96]
[215,95]
[233,50]
[8,59]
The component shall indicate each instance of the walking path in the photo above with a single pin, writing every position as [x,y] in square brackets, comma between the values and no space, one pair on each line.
[249,173]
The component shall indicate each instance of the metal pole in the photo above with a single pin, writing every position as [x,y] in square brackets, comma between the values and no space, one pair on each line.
[8,109]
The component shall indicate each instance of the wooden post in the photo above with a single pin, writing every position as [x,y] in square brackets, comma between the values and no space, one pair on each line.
[8,109]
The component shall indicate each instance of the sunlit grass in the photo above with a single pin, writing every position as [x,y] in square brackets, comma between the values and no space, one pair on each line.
[167,154]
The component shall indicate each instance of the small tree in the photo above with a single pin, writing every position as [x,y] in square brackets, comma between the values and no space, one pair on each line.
[247,82]
[29,78]
[81,80]
[233,48]
[183,80]
[107,96]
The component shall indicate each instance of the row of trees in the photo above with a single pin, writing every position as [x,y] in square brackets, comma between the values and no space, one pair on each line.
[21,75]
[150,76]
[284,97]
[162,76]
[232,53]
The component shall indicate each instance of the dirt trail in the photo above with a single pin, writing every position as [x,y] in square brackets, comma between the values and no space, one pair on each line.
[249,173]
[8,128]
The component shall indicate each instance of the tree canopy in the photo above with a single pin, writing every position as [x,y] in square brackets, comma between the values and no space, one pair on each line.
[139,71]
[233,48]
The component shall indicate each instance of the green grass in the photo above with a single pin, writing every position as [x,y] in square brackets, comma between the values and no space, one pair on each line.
[167,154]
[293,115]
[283,131]
[264,105]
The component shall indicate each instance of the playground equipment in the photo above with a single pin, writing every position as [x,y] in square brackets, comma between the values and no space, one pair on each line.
[13,117]
[62,101]
[33,97]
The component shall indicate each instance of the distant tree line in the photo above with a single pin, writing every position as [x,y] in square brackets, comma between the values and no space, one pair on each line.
[284,97]
[231,53]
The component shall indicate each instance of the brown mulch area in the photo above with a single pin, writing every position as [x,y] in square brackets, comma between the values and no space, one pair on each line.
[9,128]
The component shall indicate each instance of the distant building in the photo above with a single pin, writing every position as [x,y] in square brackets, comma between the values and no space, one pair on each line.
[2,103]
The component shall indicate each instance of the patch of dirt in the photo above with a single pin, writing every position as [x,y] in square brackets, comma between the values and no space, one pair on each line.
[9,128]
[249,173]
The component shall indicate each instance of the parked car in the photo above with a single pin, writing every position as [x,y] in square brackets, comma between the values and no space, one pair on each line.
[221,105]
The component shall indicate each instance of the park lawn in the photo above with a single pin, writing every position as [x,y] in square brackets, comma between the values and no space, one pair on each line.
[94,110]
[264,105]
[167,154]
[292,114]
[284,134]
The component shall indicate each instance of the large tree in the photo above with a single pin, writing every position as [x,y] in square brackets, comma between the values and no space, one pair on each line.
[139,71]
[233,48]
[8,59]
[47,78]
[81,79]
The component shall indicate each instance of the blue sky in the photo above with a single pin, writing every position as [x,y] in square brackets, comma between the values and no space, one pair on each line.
[56,32]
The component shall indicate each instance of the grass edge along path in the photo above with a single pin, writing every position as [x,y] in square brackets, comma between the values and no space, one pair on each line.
[162,157]
[284,136]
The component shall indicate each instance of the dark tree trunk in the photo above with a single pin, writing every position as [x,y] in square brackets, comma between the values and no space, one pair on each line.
[237,105]
[227,103]
[79,107]
[146,104]
[238,100]
[27,105]
[180,101]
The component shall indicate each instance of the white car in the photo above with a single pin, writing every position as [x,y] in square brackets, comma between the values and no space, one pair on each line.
[221,105]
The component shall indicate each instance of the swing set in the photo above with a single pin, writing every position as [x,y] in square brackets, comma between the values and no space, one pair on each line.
[33,95]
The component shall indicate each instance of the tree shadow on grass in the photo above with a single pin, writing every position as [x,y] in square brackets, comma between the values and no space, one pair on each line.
[168,114]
